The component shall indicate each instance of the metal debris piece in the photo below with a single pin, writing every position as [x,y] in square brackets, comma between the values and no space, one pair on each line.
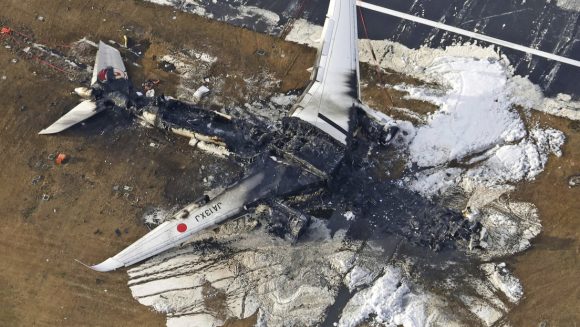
[574,181]
[201,92]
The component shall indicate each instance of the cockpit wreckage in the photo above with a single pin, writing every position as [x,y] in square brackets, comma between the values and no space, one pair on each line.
[323,156]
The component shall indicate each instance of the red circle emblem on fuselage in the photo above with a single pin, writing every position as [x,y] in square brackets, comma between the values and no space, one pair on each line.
[181,228]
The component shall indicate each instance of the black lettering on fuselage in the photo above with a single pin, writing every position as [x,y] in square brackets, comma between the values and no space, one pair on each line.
[208,212]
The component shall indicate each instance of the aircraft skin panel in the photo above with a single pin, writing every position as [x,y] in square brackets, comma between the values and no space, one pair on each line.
[174,232]
[334,88]
[82,111]
[107,56]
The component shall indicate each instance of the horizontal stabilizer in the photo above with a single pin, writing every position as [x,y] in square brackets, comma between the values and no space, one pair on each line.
[82,111]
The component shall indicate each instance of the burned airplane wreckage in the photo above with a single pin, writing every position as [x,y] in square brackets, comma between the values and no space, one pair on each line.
[322,159]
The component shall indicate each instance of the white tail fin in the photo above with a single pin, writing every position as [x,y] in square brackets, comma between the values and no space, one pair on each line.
[334,90]
[107,57]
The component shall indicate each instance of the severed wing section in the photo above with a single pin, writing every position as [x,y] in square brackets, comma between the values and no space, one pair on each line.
[107,58]
[334,90]
[82,111]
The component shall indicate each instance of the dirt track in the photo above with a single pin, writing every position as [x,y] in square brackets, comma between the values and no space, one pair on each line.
[42,285]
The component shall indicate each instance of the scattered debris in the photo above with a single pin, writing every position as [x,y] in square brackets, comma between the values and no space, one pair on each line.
[118,232]
[261,52]
[150,93]
[166,66]
[574,181]
[201,92]
[154,145]
[40,18]
[45,197]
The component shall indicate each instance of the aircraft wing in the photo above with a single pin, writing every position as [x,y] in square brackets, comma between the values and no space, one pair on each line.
[271,178]
[334,88]
[107,56]
[82,111]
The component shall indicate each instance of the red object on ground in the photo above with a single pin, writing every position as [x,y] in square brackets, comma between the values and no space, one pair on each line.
[181,228]
[6,30]
[60,158]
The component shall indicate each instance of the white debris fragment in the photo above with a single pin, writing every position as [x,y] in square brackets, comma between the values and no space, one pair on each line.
[349,215]
[201,92]
[216,150]
[150,93]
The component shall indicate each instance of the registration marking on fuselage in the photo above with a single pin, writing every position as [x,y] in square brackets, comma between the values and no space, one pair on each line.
[208,212]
